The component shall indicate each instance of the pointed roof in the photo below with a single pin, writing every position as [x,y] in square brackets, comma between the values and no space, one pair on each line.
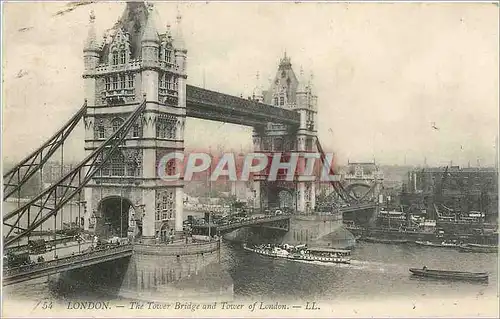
[285,62]
[284,81]
[91,41]
[150,33]
[179,37]
[258,91]
[302,87]
[133,21]
[310,85]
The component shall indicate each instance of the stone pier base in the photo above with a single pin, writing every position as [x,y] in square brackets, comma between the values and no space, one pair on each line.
[154,273]
[165,272]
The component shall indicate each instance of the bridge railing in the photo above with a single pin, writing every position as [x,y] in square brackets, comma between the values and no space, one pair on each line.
[170,250]
[253,222]
[70,259]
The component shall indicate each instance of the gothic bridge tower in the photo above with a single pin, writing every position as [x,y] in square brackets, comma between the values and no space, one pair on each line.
[287,91]
[133,63]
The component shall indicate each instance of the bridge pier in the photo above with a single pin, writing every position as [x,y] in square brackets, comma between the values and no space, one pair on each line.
[162,272]
[154,273]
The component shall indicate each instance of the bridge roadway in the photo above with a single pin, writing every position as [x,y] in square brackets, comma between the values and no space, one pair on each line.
[357,207]
[80,260]
[251,222]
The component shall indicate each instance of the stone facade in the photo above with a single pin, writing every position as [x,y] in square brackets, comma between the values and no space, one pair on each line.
[297,94]
[134,63]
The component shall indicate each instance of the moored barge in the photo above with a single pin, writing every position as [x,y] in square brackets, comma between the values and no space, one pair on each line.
[452,275]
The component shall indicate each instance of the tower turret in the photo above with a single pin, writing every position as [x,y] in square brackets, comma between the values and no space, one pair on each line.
[258,93]
[91,47]
[150,43]
[180,47]
[302,90]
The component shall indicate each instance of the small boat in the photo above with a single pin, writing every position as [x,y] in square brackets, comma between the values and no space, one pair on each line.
[443,244]
[446,274]
[384,240]
[476,248]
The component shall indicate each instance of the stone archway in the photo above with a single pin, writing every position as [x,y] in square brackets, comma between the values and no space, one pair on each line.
[113,217]
[285,199]
[165,232]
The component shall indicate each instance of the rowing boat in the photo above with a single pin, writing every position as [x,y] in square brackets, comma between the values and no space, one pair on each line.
[446,274]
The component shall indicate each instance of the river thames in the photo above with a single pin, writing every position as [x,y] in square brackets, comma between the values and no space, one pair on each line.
[377,271]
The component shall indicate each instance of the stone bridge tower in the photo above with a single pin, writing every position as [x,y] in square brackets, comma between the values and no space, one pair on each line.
[135,62]
[289,92]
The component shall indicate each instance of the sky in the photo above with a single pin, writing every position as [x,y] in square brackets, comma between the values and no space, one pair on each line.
[398,83]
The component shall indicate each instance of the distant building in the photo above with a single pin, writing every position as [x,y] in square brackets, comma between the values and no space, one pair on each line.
[460,189]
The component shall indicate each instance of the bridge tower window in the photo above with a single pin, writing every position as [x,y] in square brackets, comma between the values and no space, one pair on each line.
[116,123]
[117,164]
[122,81]
[165,206]
[115,57]
[135,130]
[282,100]
[130,80]
[168,55]
[115,82]
[275,101]
[122,56]
[100,131]
[165,128]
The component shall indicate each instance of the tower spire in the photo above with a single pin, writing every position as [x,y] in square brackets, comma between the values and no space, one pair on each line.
[311,79]
[150,33]
[258,93]
[302,87]
[179,39]
[91,41]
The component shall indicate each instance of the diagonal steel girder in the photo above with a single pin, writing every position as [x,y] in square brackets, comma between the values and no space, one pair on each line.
[16,177]
[337,186]
[51,200]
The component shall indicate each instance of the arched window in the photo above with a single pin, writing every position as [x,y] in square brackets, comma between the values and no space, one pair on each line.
[122,81]
[275,101]
[282,100]
[117,164]
[130,80]
[170,82]
[100,131]
[115,57]
[122,56]
[162,83]
[170,134]
[171,167]
[115,83]
[116,123]
[168,55]
[135,130]
[132,169]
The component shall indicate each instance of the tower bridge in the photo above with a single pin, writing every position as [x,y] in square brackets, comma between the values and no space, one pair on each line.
[136,104]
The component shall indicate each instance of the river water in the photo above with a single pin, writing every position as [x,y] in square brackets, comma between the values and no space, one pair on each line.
[377,271]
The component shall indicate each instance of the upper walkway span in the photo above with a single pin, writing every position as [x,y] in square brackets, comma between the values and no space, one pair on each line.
[215,106]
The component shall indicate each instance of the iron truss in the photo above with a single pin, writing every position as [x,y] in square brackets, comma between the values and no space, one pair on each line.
[337,185]
[51,200]
[22,172]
